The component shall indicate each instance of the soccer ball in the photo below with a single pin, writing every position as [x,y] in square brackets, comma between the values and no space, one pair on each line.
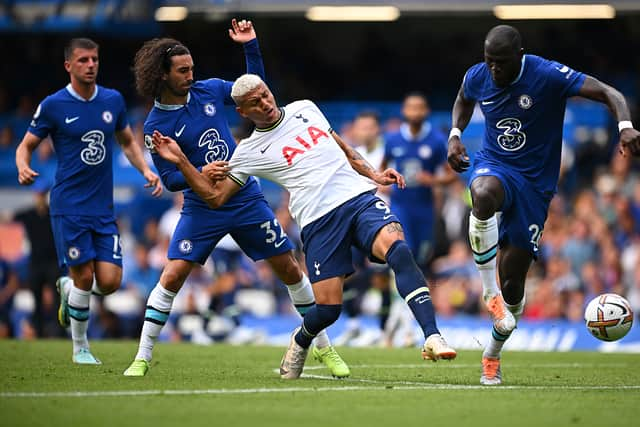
[608,317]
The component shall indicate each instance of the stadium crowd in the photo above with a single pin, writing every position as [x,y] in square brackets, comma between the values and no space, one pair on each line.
[591,245]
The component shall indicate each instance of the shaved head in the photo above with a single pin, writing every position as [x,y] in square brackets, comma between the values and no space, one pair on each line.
[503,54]
[503,39]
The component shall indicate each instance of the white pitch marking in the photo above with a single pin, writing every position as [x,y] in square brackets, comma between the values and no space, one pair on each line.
[121,393]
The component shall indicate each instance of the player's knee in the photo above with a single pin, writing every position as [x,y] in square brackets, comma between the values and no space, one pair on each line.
[399,255]
[287,268]
[174,275]
[328,313]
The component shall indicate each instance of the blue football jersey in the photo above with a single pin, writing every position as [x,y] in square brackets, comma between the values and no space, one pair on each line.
[409,155]
[201,129]
[83,133]
[523,122]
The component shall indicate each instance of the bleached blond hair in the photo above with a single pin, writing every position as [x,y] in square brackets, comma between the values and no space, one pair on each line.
[243,85]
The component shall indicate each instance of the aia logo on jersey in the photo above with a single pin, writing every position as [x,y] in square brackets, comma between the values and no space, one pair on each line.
[301,146]
[216,146]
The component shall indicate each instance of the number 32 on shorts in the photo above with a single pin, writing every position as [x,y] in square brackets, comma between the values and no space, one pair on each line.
[272,233]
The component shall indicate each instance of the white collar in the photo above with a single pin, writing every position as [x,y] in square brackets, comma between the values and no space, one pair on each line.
[78,97]
[405,130]
[171,107]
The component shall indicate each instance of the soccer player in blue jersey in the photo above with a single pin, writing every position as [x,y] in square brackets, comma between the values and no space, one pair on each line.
[83,120]
[419,152]
[523,99]
[193,113]
[332,202]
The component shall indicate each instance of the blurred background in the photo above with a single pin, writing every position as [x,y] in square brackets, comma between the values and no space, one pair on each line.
[348,62]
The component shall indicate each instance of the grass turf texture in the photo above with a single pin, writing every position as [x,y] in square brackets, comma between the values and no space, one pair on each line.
[222,385]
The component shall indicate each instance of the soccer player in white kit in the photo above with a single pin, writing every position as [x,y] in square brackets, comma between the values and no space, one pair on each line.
[335,207]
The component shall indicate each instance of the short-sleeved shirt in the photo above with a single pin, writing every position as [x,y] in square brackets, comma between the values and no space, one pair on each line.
[83,133]
[299,153]
[523,121]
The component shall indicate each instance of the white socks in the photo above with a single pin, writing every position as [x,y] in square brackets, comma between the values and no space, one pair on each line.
[155,316]
[494,347]
[301,295]
[79,316]
[483,235]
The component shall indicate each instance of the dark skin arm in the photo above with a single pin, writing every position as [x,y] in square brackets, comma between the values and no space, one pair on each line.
[460,117]
[595,90]
[360,165]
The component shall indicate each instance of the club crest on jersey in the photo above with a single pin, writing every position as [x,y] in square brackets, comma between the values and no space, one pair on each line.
[290,151]
[525,102]
[185,246]
[107,116]
[216,146]
[209,109]
[148,142]
[425,152]
[73,252]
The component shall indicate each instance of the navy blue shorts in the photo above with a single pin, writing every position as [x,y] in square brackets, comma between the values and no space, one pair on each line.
[327,241]
[254,227]
[524,209]
[80,238]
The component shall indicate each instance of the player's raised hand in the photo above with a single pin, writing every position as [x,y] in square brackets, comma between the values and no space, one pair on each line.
[630,142]
[167,147]
[457,155]
[242,31]
[153,181]
[216,171]
[26,175]
[390,176]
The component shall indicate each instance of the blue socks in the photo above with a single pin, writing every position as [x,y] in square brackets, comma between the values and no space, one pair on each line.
[412,286]
[315,320]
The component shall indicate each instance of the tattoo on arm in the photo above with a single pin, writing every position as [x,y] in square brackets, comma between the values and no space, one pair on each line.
[394,227]
[360,161]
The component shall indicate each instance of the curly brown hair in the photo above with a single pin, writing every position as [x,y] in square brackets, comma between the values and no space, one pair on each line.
[152,61]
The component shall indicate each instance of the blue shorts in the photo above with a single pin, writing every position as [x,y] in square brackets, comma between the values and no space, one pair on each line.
[327,241]
[417,223]
[524,209]
[254,227]
[80,238]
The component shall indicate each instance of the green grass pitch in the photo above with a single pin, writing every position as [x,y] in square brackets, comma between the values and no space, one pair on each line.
[223,385]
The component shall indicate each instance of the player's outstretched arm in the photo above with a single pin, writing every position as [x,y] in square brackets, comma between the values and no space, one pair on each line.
[214,194]
[360,165]
[242,31]
[594,89]
[135,157]
[26,175]
[460,117]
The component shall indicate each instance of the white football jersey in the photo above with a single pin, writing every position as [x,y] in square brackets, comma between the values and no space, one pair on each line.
[299,153]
